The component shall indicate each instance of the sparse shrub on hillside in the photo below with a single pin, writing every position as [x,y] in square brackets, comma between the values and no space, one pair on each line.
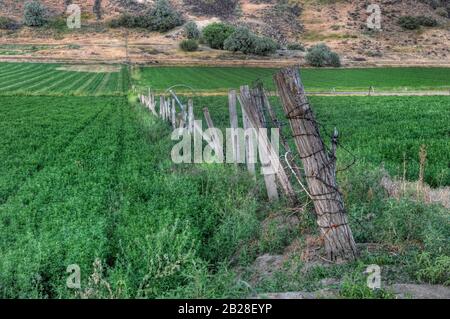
[6,23]
[442,12]
[296,47]
[215,34]
[290,6]
[34,14]
[97,9]
[427,21]
[413,23]
[214,7]
[191,30]
[321,55]
[163,17]
[189,45]
[408,23]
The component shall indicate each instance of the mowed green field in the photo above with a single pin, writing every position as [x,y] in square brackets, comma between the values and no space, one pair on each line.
[379,131]
[219,79]
[55,79]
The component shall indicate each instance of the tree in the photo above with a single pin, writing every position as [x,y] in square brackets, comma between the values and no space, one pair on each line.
[98,9]
[163,17]
[191,30]
[216,33]
[34,14]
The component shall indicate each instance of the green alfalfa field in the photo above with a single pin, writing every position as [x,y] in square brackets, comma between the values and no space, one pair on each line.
[87,179]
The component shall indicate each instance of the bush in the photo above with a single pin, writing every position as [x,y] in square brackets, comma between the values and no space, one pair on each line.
[34,14]
[163,17]
[243,40]
[214,7]
[216,33]
[191,30]
[6,23]
[240,40]
[189,45]
[97,9]
[320,55]
[264,46]
[413,23]
[296,47]
[427,21]
[442,12]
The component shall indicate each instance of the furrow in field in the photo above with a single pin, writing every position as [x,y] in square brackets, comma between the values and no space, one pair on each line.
[37,77]
[101,87]
[22,75]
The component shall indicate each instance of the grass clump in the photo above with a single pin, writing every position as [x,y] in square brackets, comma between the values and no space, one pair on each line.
[216,33]
[245,41]
[34,14]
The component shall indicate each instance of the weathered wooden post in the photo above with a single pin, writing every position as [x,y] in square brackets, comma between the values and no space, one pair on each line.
[173,114]
[191,118]
[320,174]
[234,126]
[253,112]
[249,145]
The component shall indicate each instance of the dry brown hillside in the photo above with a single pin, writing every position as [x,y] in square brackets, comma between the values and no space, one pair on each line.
[339,23]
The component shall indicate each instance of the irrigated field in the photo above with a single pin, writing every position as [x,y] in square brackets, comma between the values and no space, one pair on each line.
[89,180]
[208,79]
[386,131]
[53,79]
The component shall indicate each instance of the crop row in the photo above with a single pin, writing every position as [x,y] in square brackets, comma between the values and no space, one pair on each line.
[47,79]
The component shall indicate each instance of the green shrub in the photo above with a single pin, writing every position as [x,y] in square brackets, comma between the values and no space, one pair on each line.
[163,17]
[321,55]
[6,23]
[191,30]
[189,45]
[413,23]
[34,14]
[216,33]
[214,7]
[243,40]
[264,46]
[442,12]
[295,47]
[427,21]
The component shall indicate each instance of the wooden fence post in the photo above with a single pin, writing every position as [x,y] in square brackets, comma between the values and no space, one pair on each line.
[319,169]
[234,126]
[249,145]
[173,114]
[191,118]
[255,118]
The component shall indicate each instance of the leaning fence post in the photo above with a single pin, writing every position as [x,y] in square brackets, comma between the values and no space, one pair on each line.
[174,114]
[254,115]
[191,116]
[234,126]
[249,145]
[319,168]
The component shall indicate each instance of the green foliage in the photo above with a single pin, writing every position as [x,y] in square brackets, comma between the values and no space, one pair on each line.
[216,33]
[51,79]
[191,30]
[442,11]
[7,23]
[163,17]
[434,270]
[243,40]
[296,46]
[321,55]
[354,286]
[414,22]
[34,14]
[189,45]
[214,7]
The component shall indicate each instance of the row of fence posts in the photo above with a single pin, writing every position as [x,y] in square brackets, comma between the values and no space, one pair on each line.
[254,102]
[319,164]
